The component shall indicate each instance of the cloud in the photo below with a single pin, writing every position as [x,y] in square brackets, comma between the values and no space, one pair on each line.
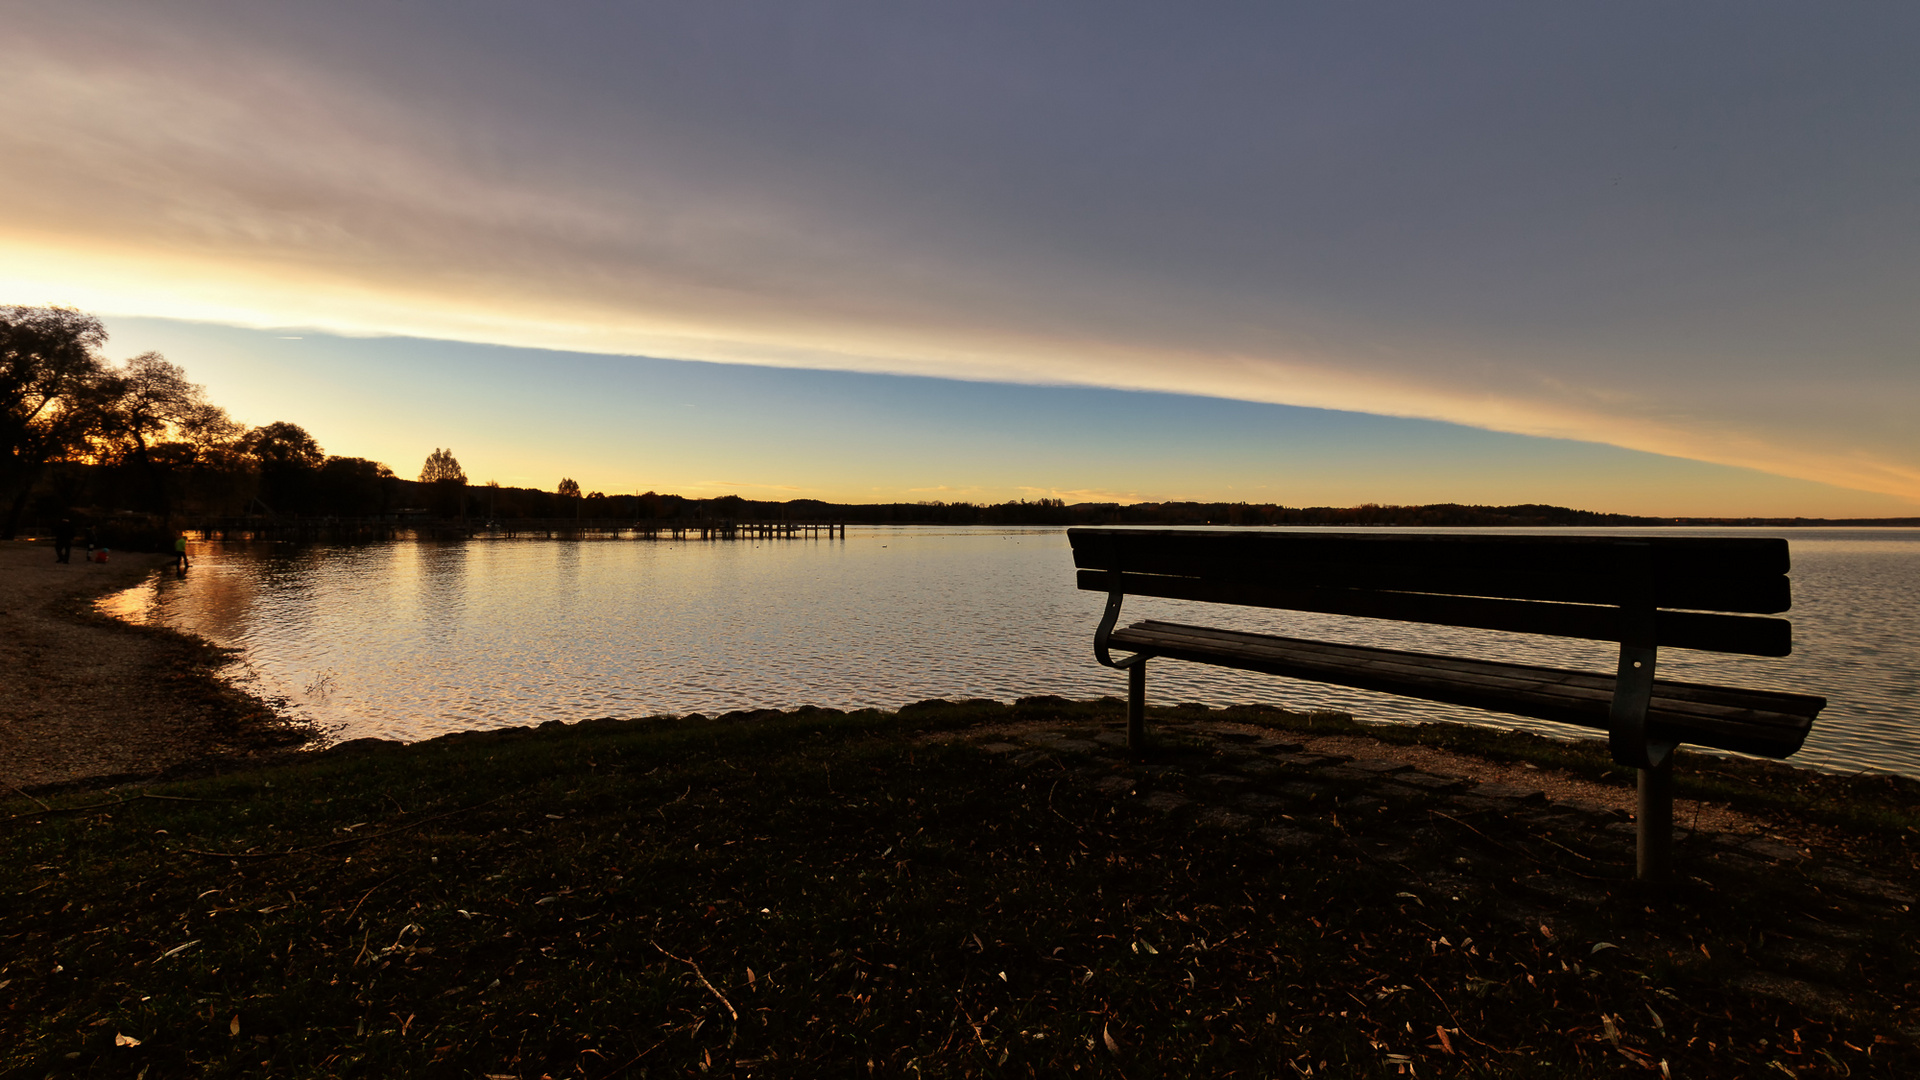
[948,491]
[1023,491]
[1550,223]
[742,485]
[1084,495]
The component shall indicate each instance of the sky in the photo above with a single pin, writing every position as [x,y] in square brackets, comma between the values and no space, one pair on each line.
[1632,257]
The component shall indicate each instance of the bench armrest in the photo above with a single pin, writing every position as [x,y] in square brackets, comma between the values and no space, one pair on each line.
[1101,635]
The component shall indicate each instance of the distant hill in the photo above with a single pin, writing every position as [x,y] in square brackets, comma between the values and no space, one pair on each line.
[1812,523]
[1059,512]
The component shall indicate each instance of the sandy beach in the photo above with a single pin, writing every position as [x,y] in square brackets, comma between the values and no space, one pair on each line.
[88,698]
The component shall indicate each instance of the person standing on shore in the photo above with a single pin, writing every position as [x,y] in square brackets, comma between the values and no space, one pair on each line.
[63,541]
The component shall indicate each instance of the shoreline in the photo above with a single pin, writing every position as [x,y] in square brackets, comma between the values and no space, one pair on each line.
[90,699]
[147,705]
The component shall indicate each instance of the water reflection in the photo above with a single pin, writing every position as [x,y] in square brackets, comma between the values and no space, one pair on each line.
[440,593]
[409,640]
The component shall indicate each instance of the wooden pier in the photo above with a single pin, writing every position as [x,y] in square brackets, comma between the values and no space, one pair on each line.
[361,530]
[575,528]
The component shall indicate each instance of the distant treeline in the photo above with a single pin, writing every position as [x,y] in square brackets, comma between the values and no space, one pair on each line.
[1059,512]
[318,485]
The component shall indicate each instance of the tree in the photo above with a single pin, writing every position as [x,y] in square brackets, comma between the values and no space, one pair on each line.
[50,371]
[281,445]
[441,468]
[352,487]
[569,492]
[146,401]
[211,459]
[442,472]
[288,459]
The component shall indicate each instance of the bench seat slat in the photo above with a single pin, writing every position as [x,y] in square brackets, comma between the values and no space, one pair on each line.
[1707,699]
[1600,685]
[1743,634]
[1766,723]
[1710,706]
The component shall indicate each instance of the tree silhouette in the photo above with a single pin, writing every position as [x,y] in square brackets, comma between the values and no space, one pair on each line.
[288,459]
[284,445]
[352,487]
[442,472]
[569,492]
[147,400]
[50,372]
[442,468]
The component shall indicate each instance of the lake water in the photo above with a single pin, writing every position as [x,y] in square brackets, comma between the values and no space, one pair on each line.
[409,640]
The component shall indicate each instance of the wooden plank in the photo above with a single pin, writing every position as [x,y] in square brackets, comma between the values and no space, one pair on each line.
[1749,554]
[1684,554]
[1740,634]
[1752,721]
[1677,694]
[1587,689]
[1703,700]
[1522,682]
[1700,573]
[1754,595]
[1213,637]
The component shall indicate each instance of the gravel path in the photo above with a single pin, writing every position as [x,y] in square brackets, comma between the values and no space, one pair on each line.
[84,697]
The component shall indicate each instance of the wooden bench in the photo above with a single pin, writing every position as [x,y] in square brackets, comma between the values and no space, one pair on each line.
[1641,592]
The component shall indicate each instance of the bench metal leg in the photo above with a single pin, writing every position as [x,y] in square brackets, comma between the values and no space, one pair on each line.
[1653,821]
[1137,704]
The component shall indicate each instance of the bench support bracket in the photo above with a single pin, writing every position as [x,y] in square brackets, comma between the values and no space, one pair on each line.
[1627,736]
[1136,667]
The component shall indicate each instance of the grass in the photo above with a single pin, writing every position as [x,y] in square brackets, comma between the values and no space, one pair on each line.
[1883,806]
[816,893]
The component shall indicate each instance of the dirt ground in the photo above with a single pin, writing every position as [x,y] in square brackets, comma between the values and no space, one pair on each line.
[84,697]
[1557,785]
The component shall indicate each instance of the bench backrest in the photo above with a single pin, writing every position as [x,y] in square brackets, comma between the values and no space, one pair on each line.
[1706,589]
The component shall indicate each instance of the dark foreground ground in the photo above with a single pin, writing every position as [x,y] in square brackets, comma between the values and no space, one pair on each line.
[969,890]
